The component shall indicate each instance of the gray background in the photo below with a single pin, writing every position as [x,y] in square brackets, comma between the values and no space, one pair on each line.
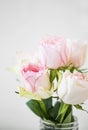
[22,24]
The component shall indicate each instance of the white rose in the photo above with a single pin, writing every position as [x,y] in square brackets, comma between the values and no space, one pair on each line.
[77,51]
[73,88]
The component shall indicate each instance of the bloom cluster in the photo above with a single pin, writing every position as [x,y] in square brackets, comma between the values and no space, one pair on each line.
[56,70]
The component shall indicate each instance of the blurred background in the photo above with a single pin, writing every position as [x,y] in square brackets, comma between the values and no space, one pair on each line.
[22,24]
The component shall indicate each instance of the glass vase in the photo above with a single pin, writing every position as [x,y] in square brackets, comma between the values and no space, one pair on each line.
[44,125]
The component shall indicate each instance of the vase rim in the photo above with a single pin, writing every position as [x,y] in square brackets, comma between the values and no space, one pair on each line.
[52,123]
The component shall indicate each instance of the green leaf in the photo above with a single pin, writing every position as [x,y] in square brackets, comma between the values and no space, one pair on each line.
[80,107]
[35,107]
[68,118]
[54,111]
[69,111]
[48,103]
[43,107]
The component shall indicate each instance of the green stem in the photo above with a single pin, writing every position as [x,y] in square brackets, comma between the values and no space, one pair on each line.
[62,111]
[62,116]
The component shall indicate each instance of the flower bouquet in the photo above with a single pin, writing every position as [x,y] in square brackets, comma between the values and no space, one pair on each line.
[54,83]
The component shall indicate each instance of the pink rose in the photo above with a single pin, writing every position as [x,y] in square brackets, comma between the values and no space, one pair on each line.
[54,52]
[36,80]
[73,87]
[77,51]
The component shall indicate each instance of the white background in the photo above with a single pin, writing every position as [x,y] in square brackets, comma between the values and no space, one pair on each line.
[22,24]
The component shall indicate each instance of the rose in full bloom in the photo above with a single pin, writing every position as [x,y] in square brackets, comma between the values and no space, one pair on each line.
[36,81]
[54,52]
[77,50]
[73,88]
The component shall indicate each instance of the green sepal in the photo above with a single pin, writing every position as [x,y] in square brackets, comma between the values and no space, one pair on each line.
[53,74]
[29,95]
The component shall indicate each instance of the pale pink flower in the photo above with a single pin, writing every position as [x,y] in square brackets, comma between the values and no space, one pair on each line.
[54,52]
[36,80]
[73,88]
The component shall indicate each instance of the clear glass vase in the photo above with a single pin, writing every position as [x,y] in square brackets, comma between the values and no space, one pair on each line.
[44,125]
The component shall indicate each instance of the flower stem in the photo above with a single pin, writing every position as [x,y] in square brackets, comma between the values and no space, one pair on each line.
[62,116]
